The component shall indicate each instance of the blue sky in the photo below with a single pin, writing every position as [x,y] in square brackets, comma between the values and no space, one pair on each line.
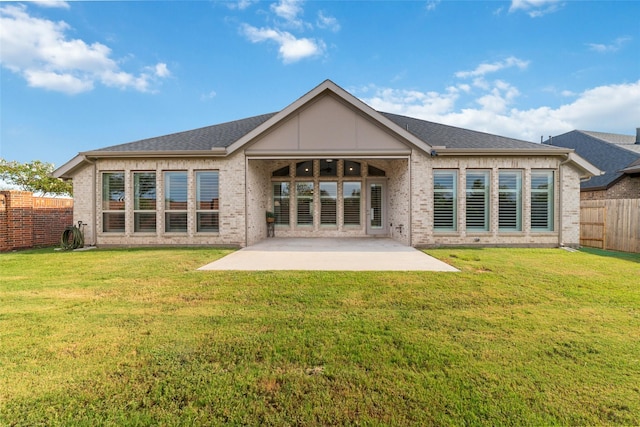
[77,76]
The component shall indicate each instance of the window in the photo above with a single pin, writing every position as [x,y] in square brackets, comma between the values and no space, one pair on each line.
[175,202]
[281,172]
[304,168]
[144,202]
[113,202]
[304,199]
[352,168]
[328,167]
[374,171]
[328,203]
[281,202]
[542,200]
[444,200]
[351,202]
[207,202]
[477,199]
[510,201]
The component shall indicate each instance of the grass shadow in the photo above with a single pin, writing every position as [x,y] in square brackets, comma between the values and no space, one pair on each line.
[627,256]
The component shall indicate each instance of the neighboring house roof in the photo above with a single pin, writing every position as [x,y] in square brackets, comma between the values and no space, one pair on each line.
[224,139]
[609,152]
[628,142]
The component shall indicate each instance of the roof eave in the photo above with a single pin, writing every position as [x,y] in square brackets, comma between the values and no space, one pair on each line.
[214,152]
[587,168]
[66,170]
[444,151]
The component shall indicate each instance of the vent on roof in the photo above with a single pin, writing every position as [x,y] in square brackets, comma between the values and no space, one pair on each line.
[638,136]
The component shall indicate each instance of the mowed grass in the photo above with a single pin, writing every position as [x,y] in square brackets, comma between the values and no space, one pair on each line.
[139,337]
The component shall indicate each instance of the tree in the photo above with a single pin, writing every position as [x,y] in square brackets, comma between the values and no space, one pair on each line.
[33,176]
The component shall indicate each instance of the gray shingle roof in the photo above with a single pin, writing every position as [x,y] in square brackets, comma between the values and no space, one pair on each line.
[600,150]
[436,134]
[206,138]
[224,134]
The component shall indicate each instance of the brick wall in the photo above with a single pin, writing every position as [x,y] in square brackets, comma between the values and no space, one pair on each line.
[28,221]
[627,188]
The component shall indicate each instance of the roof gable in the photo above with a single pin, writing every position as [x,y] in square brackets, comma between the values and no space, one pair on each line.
[326,125]
[328,88]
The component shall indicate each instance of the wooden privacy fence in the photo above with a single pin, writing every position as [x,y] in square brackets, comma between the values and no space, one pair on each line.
[610,224]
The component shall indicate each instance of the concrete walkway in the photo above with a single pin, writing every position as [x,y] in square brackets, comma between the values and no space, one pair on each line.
[343,254]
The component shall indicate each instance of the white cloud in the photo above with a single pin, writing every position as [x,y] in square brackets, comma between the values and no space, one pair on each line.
[611,108]
[287,19]
[609,48]
[486,68]
[52,3]
[432,4]
[535,8]
[328,22]
[240,4]
[39,50]
[289,11]
[207,96]
[291,49]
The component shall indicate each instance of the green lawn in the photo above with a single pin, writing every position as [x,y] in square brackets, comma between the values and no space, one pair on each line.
[139,337]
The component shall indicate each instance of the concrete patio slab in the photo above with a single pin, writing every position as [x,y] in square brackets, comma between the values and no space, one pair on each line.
[343,254]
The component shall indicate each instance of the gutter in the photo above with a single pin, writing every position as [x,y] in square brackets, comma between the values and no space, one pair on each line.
[443,151]
[214,152]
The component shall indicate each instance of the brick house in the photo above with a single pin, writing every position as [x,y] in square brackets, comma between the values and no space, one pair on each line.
[618,156]
[329,165]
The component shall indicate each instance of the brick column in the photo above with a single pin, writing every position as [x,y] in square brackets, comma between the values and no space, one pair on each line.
[19,209]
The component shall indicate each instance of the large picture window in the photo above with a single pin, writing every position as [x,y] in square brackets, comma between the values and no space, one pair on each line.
[175,202]
[477,200]
[510,200]
[445,200]
[351,202]
[113,202]
[144,202]
[542,200]
[304,202]
[207,202]
[328,203]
